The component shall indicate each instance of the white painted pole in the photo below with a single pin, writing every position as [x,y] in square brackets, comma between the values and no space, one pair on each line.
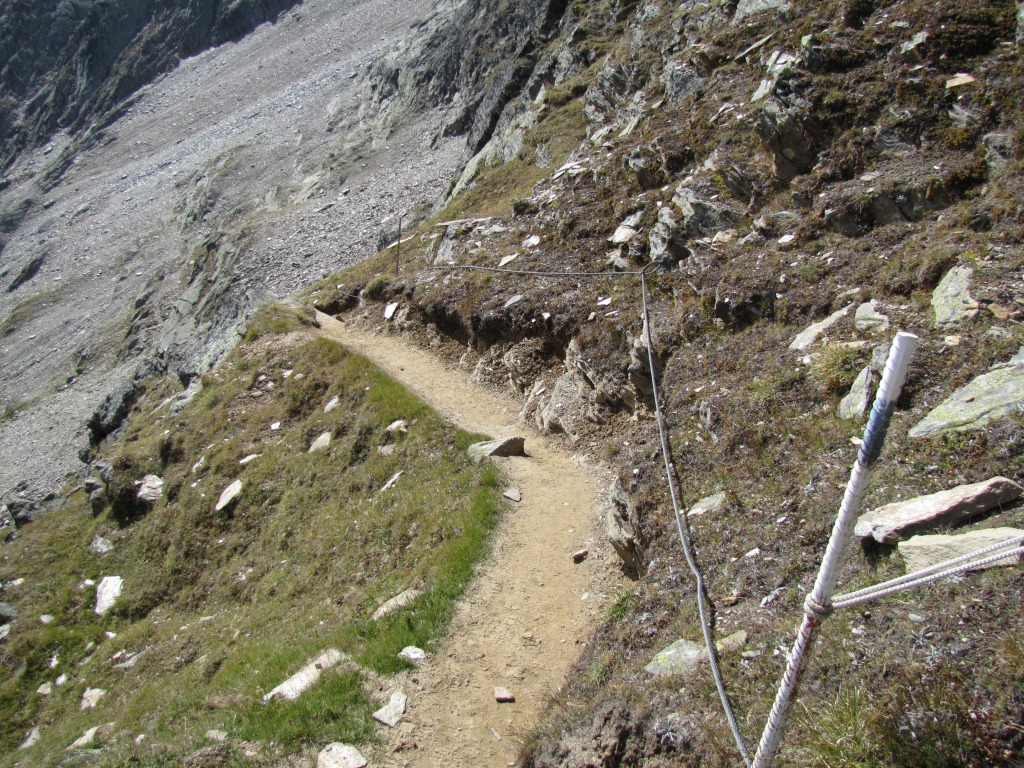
[818,605]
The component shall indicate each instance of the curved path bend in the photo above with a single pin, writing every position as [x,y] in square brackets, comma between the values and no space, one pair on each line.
[524,619]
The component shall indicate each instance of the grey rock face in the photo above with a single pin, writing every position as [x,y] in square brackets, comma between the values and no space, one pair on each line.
[894,522]
[990,396]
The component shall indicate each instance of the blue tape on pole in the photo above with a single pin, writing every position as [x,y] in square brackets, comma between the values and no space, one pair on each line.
[874,434]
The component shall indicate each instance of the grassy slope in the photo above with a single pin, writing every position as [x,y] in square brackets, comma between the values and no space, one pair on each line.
[224,606]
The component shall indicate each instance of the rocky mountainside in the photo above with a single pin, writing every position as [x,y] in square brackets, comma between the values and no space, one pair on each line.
[801,179]
[70,65]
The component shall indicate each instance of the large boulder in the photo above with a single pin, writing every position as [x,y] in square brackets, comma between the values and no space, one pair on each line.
[921,552]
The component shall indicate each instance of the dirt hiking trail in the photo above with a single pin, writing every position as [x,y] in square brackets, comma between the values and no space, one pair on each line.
[523,621]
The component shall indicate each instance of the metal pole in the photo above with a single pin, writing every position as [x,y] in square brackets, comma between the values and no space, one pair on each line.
[818,605]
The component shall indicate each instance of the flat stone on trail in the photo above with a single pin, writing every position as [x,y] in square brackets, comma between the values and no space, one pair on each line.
[412,654]
[396,602]
[504,696]
[391,713]
[990,396]
[951,299]
[306,677]
[321,442]
[512,494]
[925,551]
[150,489]
[91,697]
[228,495]
[339,755]
[806,338]
[506,446]
[107,592]
[894,522]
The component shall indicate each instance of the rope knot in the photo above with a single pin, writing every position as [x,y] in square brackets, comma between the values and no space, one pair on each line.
[815,610]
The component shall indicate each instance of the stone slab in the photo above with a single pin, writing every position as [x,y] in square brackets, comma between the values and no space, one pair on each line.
[506,446]
[306,677]
[391,713]
[925,551]
[990,396]
[892,523]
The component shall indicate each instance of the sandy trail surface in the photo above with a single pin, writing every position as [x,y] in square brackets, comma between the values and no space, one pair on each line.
[524,620]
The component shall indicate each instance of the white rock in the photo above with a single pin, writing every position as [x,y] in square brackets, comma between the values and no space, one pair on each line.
[218,736]
[250,457]
[623,234]
[398,425]
[306,677]
[786,239]
[806,338]
[396,602]
[508,259]
[321,442]
[390,309]
[275,426]
[504,696]
[391,713]
[951,300]
[925,551]
[228,495]
[895,522]
[31,739]
[61,680]
[47,618]
[512,494]
[532,241]
[87,738]
[390,483]
[91,697]
[107,592]
[333,403]
[199,464]
[412,654]
[150,490]
[45,689]
[339,755]
[100,545]
[513,300]
[713,503]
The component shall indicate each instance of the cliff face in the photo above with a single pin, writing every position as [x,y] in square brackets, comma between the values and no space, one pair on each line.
[66,64]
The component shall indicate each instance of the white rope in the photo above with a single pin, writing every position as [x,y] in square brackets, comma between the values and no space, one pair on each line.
[818,605]
[921,579]
[917,575]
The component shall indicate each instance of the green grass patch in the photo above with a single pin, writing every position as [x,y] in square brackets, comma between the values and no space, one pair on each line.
[221,606]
